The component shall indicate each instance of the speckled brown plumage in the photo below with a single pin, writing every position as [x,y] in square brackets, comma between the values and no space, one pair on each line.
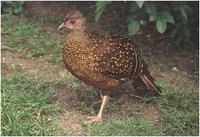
[101,61]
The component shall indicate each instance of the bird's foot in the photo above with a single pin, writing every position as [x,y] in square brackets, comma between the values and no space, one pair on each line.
[95,119]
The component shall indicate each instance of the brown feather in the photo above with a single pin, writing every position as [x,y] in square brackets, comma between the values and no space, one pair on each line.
[103,61]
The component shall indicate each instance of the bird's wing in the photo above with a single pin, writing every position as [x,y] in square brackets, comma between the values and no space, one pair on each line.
[119,58]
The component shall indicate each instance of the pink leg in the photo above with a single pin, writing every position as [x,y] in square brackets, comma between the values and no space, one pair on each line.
[98,118]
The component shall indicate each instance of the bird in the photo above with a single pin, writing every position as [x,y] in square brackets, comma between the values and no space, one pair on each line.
[102,61]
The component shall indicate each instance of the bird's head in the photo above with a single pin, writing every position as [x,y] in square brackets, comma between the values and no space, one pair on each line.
[73,20]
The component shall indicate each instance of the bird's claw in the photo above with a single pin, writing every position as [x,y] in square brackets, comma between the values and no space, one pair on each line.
[95,119]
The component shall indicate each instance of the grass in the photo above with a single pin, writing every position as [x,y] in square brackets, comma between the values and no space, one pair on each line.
[28,39]
[180,112]
[27,107]
[179,116]
[125,127]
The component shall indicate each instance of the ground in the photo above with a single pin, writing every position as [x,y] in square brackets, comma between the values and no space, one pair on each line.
[177,70]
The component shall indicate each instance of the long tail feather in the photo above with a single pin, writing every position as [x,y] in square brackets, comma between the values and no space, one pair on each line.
[145,81]
[149,83]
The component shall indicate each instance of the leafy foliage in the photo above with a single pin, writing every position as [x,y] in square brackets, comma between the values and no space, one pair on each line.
[139,3]
[168,17]
[13,7]
[101,5]
[133,27]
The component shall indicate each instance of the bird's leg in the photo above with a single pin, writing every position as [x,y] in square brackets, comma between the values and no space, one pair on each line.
[100,101]
[98,118]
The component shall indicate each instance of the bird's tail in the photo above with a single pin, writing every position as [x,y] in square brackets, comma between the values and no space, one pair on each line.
[150,83]
[147,81]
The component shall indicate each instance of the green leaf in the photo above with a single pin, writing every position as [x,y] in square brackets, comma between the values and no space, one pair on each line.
[183,13]
[98,15]
[100,6]
[133,27]
[151,9]
[168,17]
[161,25]
[153,18]
[140,3]
[133,7]
[187,8]
[18,10]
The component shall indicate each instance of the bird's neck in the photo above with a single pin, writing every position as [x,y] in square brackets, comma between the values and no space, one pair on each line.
[77,38]
[77,34]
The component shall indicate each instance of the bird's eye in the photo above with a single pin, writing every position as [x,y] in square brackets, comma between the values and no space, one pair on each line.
[72,22]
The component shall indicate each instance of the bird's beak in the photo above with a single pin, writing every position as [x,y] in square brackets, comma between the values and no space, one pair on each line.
[61,26]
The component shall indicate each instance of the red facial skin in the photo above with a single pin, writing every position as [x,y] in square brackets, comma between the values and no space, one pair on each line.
[72,24]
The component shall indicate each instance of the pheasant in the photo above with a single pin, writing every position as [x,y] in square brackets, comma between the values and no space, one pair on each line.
[102,61]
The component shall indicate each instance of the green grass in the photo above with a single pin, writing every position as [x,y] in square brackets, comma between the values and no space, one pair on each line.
[180,112]
[125,127]
[179,116]
[27,107]
[29,39]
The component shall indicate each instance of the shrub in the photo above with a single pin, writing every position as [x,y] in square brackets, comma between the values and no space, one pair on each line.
[176,17]
[13,7]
